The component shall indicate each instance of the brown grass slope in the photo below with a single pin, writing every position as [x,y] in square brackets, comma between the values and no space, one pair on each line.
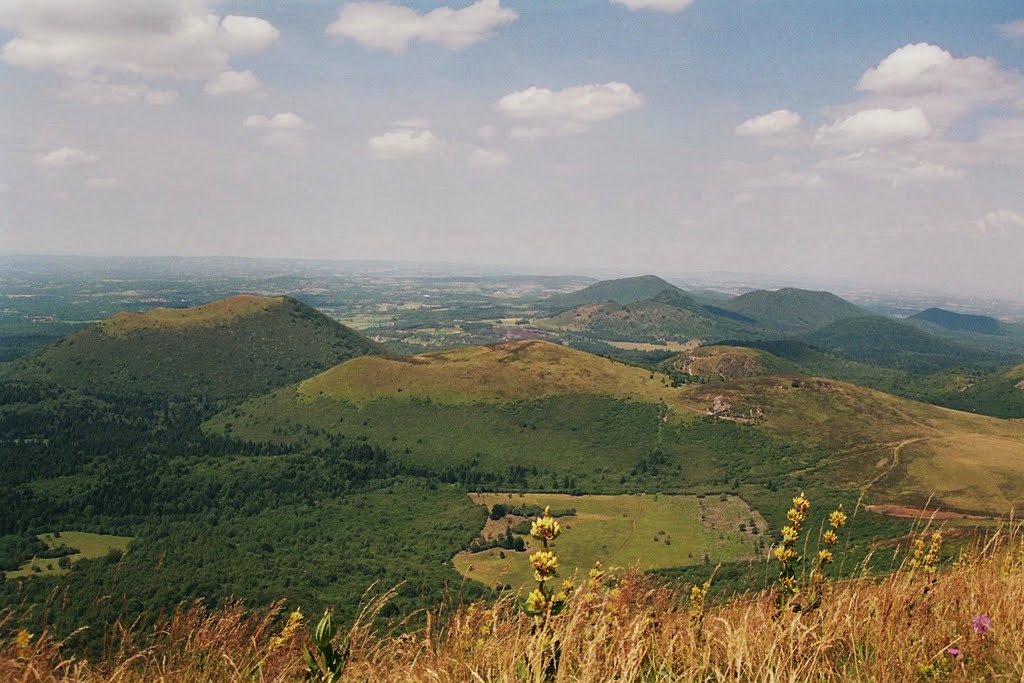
[901,627]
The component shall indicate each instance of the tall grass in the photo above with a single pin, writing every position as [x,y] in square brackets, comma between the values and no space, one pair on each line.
[903,626]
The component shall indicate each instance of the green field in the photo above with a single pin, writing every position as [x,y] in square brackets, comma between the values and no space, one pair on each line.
[90,546]
[646,531]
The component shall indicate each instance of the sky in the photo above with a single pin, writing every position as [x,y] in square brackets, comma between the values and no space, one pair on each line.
[876,141]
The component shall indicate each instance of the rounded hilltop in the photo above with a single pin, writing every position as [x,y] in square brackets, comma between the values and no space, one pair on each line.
[218,312]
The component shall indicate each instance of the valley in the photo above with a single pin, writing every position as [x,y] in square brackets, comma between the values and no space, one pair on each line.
[255,445]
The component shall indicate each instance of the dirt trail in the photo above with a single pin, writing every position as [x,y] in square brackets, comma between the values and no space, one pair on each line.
[895,461]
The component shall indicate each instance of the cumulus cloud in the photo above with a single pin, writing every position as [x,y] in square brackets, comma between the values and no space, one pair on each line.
[66,156]
[487,158]
[657,5]
[876,127]
[232,82]
[147,39]
[775,123]
[284,131]
[403,144]
[4,187]
[943,86]
[390,27]
[1000,222]
[102,183]
[570,110]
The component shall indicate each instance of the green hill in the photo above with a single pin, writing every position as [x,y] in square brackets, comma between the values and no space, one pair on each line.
[231,348]
[521,414]
[720,363]
[669,315]
[998,393]
[622,291]
[792,310]
[982,324]
[894,344]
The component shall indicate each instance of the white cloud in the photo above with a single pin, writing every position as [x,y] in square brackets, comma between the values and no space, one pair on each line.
[402,144]
[923,69]
[927,171]
[283,121]
[999,222]
[284,131]
[247,34]
[570,110]
[1012,29]
[899,169]
[66,156]
[658,5]
[1003,135]
[774,123]
[102,183]
[385,26]
[486,132]
[149,39]
[99,90]
[4,188]
[231,82]
[943,86]
[488,158]
[876,126]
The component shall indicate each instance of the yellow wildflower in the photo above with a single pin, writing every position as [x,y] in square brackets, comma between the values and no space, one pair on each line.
[789,534]
[537,601]
[838,518]
[23,640]
[567,586]
[830,537]
[825,556]
[785,554]
[545,528]
[545,564]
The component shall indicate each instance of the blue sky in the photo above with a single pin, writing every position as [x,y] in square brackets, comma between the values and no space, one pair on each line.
[878,141]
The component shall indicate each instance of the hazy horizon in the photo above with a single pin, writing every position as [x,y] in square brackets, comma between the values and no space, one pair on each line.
[819,141]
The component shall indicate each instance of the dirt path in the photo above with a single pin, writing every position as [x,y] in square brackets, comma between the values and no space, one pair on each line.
[895,461]
[632,530]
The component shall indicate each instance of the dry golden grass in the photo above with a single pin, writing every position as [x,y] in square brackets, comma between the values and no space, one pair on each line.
[501,372]
[869,629]
[215,312]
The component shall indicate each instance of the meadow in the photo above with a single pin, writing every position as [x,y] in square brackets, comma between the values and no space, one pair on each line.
[642,532]
[89,546]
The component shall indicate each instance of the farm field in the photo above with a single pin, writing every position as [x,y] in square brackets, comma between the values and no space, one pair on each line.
[90,547]
[674,346]
[648,531]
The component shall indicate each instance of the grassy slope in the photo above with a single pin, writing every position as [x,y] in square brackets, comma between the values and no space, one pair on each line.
[89,546]
[623,531]
[792,310]
[605,424]
[720,363]
[896,450]
[230,348]
[508,371]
